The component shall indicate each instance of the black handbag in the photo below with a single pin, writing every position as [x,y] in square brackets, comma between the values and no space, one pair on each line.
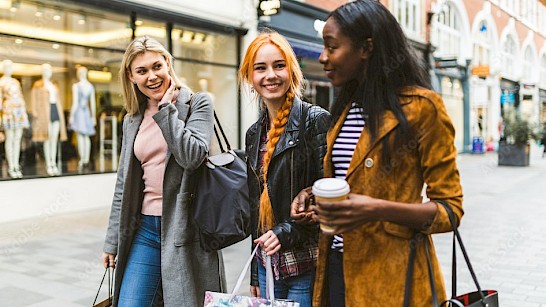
[480,298]
[221,207]
[107,302]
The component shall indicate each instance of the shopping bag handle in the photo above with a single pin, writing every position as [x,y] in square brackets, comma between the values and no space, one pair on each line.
[110,284]
[270,293]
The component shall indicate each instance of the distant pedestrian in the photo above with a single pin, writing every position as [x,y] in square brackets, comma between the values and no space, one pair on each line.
[285,148]
[543,140]
[159,259]
[391,136]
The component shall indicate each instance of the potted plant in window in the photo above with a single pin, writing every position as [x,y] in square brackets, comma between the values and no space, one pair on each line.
[514,146]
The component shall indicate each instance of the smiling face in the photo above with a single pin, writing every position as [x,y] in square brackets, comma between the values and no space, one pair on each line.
[342,60]
[150,72]
[270,75]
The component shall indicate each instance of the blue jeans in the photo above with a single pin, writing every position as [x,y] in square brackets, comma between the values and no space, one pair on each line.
[141,284]
[297,288]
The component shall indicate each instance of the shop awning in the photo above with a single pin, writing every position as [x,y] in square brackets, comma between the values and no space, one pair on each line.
[305,49]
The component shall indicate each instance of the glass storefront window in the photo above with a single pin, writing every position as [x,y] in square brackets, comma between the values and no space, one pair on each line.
[33,33]
[68,36]
[207,62]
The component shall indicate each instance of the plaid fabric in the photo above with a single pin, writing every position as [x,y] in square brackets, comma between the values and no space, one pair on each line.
[292,262]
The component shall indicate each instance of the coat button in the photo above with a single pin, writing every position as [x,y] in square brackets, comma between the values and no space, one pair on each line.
[368,162]
[290,142]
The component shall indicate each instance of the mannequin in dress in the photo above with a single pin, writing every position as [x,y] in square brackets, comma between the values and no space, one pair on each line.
[48,118]
[204,85]
[14,118]
[82,115]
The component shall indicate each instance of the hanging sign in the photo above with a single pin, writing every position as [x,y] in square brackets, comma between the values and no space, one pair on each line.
[269,7]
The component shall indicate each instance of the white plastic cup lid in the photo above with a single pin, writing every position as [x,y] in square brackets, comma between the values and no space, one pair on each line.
[331,187]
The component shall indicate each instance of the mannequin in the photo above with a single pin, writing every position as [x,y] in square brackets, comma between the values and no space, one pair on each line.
[14,118]
[203,85]
[48,118]
[83,115]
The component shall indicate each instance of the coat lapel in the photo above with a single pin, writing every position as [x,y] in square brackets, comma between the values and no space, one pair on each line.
[364,146]
[130,136]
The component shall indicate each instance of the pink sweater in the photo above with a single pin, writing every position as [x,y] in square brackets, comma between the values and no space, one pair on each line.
[151,149]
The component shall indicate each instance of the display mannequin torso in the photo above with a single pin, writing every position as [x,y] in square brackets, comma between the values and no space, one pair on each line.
[12,103]
[82,115]
[42,96]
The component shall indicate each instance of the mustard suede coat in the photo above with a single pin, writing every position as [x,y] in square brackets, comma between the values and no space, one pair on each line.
[376,254]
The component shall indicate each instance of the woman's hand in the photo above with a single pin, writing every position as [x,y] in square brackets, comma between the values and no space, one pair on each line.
[254,291]
[269,242]
[171,94]
[109,260]
[347,214]
[301,210]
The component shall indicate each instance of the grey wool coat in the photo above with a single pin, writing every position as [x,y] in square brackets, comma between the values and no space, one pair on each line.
[187,271]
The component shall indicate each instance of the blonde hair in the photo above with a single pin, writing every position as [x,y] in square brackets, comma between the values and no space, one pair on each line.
[266,218]
[132,95]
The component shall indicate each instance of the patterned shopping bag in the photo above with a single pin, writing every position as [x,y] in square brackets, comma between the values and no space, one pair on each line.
[216,299]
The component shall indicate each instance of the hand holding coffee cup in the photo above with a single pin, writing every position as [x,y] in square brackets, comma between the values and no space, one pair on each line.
[329,190]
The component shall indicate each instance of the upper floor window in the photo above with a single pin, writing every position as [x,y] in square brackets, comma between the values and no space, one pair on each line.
[511,6]
[543,71]
[528,64]
[529,11]
[482,44]
[446,35]
[509,53]
[408,14]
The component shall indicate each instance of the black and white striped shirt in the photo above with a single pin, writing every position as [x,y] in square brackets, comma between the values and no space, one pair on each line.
[343,150]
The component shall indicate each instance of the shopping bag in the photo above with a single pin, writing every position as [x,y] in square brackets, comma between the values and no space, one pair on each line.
[107,302]
[216,299]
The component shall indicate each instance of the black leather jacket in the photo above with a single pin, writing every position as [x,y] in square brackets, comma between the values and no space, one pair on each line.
[296,163]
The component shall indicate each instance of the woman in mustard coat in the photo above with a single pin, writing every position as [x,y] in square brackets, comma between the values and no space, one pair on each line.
[391,137]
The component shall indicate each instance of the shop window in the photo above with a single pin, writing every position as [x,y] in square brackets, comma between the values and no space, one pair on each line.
[39,36]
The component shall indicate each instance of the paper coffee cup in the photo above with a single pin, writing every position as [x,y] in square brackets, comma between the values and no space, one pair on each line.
[330,189]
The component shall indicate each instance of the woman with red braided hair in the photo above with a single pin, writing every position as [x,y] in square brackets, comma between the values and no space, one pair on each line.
[284,149]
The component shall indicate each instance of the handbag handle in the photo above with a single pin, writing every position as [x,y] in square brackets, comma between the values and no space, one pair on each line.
[270,293]
[456,234]
[110,284]
[413,246]
[217,123]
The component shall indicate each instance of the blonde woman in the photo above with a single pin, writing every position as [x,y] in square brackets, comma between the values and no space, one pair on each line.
[285,148]
[159,259]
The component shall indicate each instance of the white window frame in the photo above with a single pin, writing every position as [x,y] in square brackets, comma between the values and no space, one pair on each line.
[410,22]
[509,52]
[543,71]
[483,45]
[447,32]
[528,64]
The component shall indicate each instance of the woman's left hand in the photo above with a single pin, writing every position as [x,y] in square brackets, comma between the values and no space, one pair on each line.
[269,242]
[346,214]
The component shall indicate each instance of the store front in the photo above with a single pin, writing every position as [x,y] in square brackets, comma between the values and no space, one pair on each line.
[69,35]
[510,96]
[453,80]
[302,25]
